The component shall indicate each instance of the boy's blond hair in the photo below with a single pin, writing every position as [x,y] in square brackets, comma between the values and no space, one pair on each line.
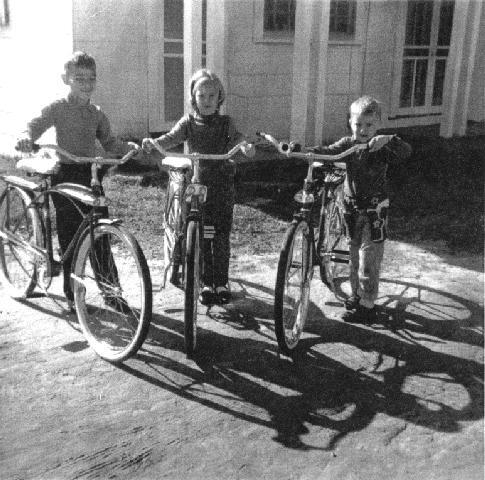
[366,105]
[201,76]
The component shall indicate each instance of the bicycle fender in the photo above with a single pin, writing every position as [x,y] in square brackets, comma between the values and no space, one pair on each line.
[20,182]
[79,192]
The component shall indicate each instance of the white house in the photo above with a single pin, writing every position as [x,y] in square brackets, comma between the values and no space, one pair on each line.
[290,67]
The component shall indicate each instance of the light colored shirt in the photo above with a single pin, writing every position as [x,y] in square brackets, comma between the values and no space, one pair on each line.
[77,127]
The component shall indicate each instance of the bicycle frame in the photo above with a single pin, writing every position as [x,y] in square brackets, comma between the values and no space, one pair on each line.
[195,193]
[307,196]
[40,201]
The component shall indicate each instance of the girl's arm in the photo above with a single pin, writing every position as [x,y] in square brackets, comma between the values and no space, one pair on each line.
[176,136]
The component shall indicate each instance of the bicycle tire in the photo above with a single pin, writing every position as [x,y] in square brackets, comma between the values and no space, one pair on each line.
[171,238]
[293,283]
[17,265]
[192,286]
[112,292]
[332,229]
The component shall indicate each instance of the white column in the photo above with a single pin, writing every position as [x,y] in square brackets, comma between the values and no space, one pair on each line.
[192,39]
[301,69]
[453,83]
[216,38]
[475,17]
[322,53]
[309,70]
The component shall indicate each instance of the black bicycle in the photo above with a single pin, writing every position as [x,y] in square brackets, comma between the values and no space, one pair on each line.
[184,228]
[110,277]
[310,240]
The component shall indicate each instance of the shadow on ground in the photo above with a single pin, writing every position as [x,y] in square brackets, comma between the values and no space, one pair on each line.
[341,376]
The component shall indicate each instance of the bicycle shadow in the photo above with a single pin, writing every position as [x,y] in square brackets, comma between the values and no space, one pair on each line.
[421,309]
[323,388]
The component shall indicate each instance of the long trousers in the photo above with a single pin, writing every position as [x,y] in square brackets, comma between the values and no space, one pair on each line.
[68,220]
[218,211]
[365,262]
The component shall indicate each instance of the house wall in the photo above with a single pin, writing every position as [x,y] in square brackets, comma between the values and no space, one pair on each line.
[258,75]
[114,32]
[364,67]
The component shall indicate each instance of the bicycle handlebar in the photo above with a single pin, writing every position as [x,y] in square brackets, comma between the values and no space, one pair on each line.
[95,160]
[201,156]
[285,149]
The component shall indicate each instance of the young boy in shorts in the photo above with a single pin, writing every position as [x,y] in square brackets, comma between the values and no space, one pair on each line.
[366,200]
[78,123]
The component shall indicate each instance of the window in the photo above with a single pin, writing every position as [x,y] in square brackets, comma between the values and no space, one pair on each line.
[342,19]
[275,20]
[279,17]
[4,13]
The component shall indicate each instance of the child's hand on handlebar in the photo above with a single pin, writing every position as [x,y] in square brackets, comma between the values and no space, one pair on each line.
[147,144]
[24,145]
[136,147]
[249,150]
[377,142]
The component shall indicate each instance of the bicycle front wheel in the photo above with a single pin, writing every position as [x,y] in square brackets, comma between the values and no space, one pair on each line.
[17,263]
[333,246]
[192,286]
[293,280]
[112,291]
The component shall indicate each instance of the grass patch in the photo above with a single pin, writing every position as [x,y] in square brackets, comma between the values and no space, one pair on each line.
[436,196]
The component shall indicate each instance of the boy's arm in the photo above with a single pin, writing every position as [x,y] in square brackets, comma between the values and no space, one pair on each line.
[108,141]
[399,148]
[36,127]
[334,149]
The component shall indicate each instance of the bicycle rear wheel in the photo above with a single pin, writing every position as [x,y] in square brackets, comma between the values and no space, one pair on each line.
[192,286]
[333,248]
[293,281]
[17,264]
[112,292]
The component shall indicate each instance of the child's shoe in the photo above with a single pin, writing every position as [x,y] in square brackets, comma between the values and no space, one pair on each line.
[223,294]
[352,302]
[207,296]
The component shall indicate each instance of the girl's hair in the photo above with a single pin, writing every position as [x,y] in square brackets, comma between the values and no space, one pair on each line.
[366,105]
[201,76]
[80,60]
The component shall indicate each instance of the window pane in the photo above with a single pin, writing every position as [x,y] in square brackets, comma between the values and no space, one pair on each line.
[342,18]
[173,88]
[406,83]
[173,18]
[446,22]
[418,22]
[439,79]
[420,86]
[279,16]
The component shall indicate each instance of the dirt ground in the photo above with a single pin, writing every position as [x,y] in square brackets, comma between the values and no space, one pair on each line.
[401,399]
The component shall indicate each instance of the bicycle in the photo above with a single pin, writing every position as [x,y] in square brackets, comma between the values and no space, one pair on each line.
[184,228]
[308,243]
[109,273]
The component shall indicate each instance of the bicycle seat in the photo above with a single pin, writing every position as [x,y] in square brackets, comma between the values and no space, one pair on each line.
[177,162]
[38,165]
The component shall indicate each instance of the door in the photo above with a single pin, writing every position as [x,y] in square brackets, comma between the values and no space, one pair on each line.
[424,46]
[165,39]
[165,64]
